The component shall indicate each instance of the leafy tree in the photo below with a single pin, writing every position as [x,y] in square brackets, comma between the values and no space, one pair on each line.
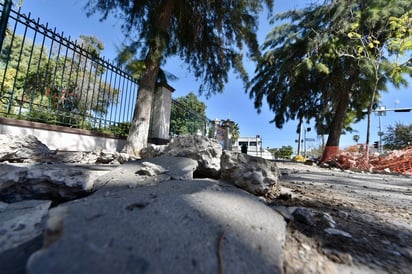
[356,138]
[398,136]
[285,152]
[208,35]
[370,50]
[313,67]
[54,88]
[188,115]
[128,58]
[235,132]
[401,42]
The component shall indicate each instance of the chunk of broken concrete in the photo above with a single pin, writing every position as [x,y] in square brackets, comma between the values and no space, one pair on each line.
[253,174]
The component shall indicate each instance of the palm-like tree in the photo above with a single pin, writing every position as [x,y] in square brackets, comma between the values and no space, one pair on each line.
[207,35]
[312,67]
[356,138]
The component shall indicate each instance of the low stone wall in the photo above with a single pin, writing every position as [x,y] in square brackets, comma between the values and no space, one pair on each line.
[62,138]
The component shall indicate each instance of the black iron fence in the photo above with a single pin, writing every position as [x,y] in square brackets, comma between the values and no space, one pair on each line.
[185,121]
[48,78]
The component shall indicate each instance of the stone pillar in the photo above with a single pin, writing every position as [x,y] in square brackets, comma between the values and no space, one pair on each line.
[228,125]
[160,119]
[216,129]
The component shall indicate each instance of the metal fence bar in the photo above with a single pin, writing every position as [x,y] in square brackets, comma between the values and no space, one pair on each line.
[186,121]
[46,77]
[4,19]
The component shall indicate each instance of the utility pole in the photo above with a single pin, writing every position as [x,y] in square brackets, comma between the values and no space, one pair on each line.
[381,111]
[300,136]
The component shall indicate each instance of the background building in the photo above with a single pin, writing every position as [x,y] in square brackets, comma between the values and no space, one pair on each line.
[254,147]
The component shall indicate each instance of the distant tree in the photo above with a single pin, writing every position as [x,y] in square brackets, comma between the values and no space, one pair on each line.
[188,115]
[208,35]
[314,67]
[398,136]
[284,152]
[235,132]
[356,138]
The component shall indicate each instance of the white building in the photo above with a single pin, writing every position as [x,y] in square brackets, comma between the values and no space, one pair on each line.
[254,147]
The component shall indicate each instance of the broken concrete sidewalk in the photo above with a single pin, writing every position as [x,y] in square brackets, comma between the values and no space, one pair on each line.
[190,226]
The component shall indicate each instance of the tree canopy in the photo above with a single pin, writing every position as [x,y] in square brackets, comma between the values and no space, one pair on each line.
[284,152]
[188,115]
[51,85]
[210,36]
[398,136]
[313,68]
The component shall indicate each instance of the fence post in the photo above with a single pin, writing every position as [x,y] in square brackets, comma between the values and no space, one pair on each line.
[4,20]
[161,109]
[228,125]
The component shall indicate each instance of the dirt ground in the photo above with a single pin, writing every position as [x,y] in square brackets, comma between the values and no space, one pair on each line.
[352,223]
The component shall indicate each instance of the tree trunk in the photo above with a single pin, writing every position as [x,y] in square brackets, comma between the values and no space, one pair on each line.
[139,129]
[332,144]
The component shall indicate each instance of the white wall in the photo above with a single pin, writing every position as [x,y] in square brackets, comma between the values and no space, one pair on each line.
[64,141]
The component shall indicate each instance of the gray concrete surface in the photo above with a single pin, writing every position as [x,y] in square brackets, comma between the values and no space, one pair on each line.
[193,226]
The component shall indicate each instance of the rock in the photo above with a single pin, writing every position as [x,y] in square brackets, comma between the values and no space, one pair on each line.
[152,151]
[324,220]
[57,182]
[21,222]
[146,168]
[205,151]
[83,157]
[178,168]
[93,157]
[303,216]
[105,157]
[284,211]
[253,174]
[148,172]
[112,158]
[19,149]
[13,261]
[193,226]
[122,157]
[334,231]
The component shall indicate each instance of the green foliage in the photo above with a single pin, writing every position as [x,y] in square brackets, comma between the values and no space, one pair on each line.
[398,136]
[235,132]
[55,117]
[401,27]
[52,88]
[209,36]
[314,65]
[120,129]
[188,116]
[285,152]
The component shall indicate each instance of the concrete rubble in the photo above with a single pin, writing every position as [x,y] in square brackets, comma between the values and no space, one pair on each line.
[188,207]
[395,161]
[169,213]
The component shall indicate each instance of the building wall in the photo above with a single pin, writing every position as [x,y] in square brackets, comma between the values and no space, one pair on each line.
[254,147]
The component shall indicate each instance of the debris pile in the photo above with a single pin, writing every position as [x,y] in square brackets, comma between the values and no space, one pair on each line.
[398,161]
[394,161]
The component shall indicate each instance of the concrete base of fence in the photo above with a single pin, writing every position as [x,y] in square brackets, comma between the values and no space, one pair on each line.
[158,141]
[62,138]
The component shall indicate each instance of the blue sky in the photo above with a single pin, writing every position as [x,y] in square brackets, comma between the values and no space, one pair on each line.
[69,16]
